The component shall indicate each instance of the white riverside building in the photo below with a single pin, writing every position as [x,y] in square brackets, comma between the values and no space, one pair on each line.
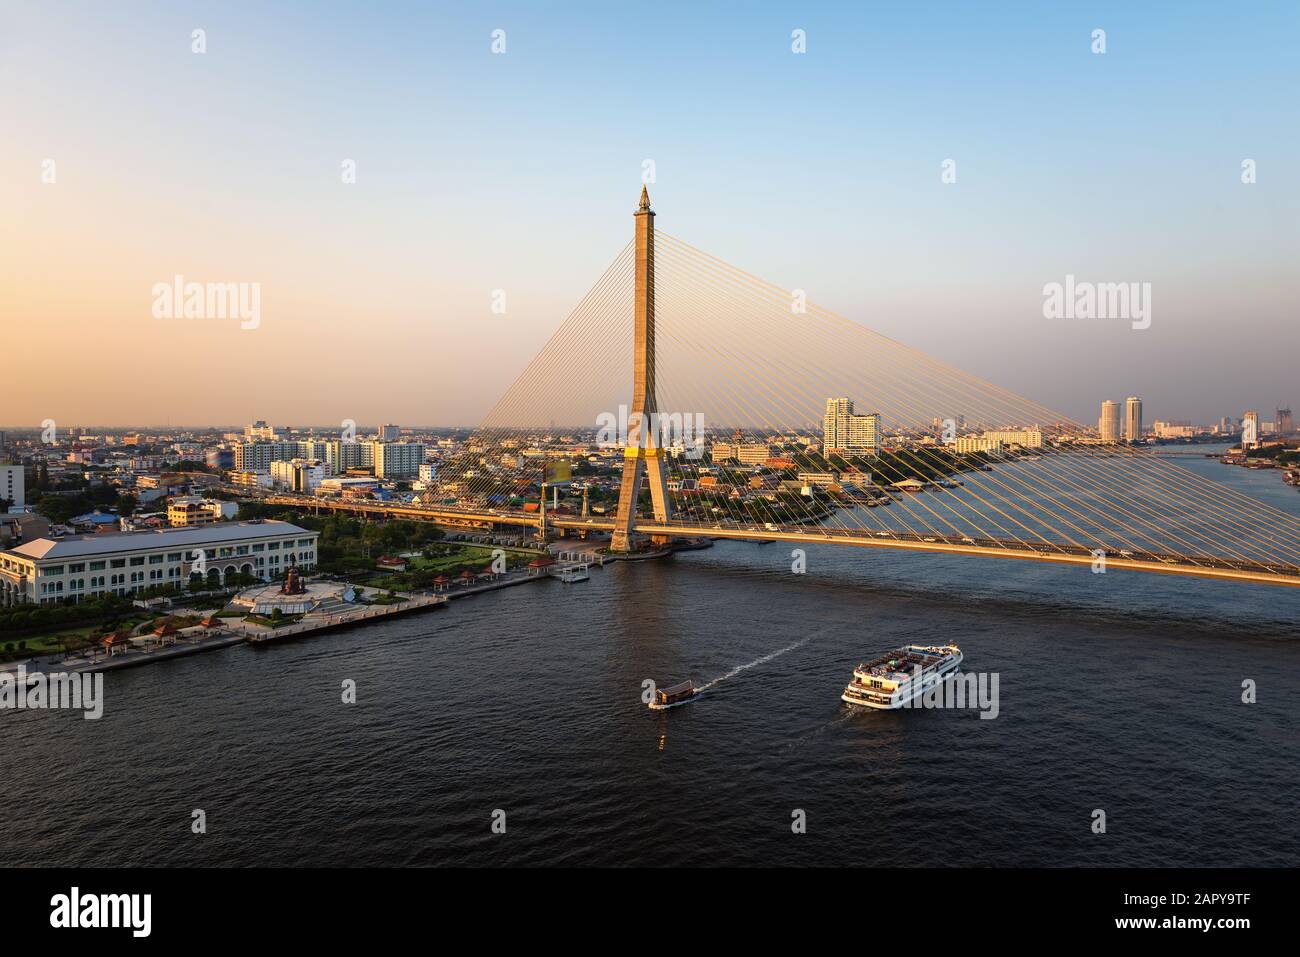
[51,570]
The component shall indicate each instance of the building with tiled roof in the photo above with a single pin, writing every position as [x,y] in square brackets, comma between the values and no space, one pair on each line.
[51,570]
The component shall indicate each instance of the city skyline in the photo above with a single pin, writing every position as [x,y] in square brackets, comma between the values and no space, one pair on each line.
[679,436]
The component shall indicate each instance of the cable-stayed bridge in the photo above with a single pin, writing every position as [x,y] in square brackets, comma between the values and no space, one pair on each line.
[752,413]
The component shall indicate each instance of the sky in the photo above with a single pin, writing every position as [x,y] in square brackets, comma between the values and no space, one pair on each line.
[129,159]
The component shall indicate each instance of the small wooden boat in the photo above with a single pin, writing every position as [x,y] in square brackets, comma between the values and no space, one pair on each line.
[671,697]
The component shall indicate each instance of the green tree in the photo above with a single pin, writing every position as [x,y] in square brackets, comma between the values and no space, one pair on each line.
[102,495]
[60,508]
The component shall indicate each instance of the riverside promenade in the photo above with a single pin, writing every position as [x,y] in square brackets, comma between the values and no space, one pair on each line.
[235,631]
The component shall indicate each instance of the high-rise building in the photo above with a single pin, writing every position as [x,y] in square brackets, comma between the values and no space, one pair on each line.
[257,456]
[1284,423]
[398,459]
[1108,424]
[1133,419]
[843,430]
[340,456]
[1250,430]
[390,433]
[11,484]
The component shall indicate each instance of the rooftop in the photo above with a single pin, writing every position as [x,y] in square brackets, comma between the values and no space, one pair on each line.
[77,546]
[97,518]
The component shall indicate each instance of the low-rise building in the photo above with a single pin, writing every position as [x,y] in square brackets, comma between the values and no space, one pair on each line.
[347,483]
[298,475]
[856,478]
[743,452]
[47,571]
[251,479]
[819,479]
[1177,430]
[1025,438]
[965,444]
[94,523]
[188,510]
[17,527]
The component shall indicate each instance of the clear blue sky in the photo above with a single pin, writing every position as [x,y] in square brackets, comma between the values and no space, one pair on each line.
[818,171]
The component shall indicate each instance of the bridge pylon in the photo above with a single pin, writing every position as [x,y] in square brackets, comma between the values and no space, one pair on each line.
[642,456]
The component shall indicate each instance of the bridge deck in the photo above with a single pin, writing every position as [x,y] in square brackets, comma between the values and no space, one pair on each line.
[1166,564]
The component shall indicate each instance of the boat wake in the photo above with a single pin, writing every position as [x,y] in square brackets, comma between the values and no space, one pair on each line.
[753,664]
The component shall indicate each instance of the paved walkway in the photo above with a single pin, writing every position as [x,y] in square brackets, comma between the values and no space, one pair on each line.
[234,631]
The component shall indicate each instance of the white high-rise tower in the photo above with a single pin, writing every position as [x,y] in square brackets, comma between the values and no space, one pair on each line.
[1133,419]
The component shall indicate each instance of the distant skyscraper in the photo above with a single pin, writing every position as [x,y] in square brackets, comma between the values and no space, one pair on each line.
[845,431]
[1285,424]
[1108,424]
[1250,429]
[1133,418]
[390,433]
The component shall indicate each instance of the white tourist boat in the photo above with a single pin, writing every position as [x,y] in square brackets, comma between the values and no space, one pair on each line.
[896,677]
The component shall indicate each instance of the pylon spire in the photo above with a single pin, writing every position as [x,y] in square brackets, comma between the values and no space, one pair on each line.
[642,456]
